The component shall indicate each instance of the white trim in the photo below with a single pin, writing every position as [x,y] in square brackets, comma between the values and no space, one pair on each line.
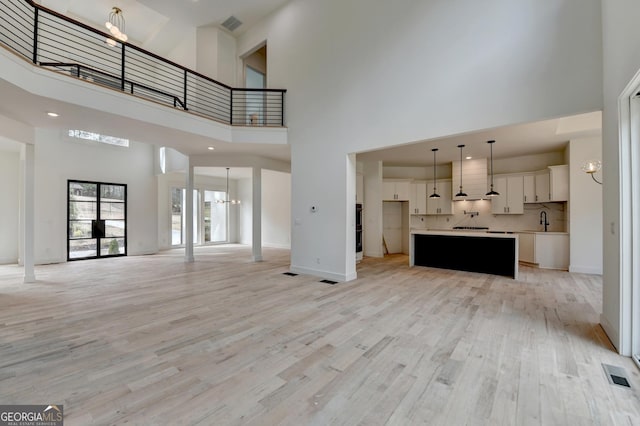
[324,274]
[628,229]
[276,245]
[610,330]
[585,270]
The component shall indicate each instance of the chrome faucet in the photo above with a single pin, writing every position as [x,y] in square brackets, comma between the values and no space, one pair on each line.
[545,221]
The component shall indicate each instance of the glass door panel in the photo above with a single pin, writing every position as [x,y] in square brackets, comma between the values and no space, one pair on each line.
[215,217]
[177,222]
[82,214]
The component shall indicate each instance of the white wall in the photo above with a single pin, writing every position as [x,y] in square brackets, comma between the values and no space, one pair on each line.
[245,219]
[59,158]
[621,48]
[10,192]
[451,67]
[185,52]
[216,54]
[276,209]
[585,208]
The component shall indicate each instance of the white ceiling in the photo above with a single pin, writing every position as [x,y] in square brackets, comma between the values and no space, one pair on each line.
[512,141]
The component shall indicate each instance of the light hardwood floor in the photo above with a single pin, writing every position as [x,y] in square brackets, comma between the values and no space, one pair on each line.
[224,341]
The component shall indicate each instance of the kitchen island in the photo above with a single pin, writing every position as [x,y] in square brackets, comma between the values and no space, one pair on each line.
[486,252]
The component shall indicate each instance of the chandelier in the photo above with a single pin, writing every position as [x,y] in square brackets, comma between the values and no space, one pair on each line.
[227,200]
[115,25]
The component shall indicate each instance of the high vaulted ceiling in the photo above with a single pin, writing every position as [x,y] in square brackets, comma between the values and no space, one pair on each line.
[160,25]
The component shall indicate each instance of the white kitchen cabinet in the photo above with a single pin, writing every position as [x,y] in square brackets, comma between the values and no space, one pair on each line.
[442,205]
[395,190]
[511,198]
[529,186]
[418,198]
[543,191]
[547,250]
[559,183]
[527,247]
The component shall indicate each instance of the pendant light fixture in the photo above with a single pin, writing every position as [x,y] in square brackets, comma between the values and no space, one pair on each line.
[461,193]
[492,193]
[115,25]
[435,194]
[226,200]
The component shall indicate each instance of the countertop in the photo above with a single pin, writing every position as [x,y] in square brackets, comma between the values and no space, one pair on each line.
[483,231]
[543,233]
[463,233]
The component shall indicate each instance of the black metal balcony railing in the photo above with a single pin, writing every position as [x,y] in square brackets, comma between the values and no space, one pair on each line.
[51,40]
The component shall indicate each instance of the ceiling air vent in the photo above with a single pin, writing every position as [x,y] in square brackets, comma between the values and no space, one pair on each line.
[231,23]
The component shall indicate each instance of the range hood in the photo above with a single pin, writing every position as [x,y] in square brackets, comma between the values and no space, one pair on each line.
[474,179]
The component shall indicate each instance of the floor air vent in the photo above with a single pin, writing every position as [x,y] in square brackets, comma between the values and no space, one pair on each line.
[290,274]
[329,282]
[616,375]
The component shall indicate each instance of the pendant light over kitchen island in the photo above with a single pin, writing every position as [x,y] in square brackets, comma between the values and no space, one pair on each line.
[435,194]
[461,193]
[492,193]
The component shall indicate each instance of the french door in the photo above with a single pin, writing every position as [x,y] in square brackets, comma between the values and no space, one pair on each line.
[96,220]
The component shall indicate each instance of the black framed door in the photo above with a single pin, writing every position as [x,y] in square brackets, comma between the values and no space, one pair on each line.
[96,219]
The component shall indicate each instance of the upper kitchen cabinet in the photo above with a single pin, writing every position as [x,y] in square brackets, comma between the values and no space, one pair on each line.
[559,183]
[442,205]
[474,178]
[418,198]
[543,191]
[552,184]
[511,198]
[529,186]
[395,190]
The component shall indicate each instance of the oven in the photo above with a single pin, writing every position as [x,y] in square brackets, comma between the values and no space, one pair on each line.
[358,228]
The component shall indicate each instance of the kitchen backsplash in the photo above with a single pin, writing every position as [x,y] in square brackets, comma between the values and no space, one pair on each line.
[530,220]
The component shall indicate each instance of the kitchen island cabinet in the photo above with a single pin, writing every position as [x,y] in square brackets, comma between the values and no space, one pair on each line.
[546,250]
[490,253]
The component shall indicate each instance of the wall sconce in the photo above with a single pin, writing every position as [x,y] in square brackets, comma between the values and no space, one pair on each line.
[591,167]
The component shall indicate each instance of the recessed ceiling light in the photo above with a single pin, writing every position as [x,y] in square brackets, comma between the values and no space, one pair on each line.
[468,158]
[211,148]
[53,114]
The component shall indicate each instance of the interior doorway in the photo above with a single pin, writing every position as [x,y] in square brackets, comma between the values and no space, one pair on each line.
[634,120]
[629,231]
[255,77]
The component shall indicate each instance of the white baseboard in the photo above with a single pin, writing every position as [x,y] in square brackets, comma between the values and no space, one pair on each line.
[611,331]
[323,274]
[276,245]
[586,270]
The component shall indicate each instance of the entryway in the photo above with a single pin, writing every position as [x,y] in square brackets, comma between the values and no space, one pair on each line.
[96,220]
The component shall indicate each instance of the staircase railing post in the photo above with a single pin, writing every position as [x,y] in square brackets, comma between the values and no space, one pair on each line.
[122,69]
[231,108]
[282,109]
[185,91]
[36,19]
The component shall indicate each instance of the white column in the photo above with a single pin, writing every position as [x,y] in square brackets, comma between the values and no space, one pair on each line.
[188,244]
[257,214]
[372,214]
[28,213]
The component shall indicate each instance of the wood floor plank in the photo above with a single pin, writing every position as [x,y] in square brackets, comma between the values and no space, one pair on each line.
[226,341]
